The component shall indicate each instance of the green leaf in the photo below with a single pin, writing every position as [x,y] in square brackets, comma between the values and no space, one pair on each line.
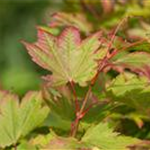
[97,113]
[136,60]
[126,82]
[41,140]
[103,137]
[24,145]
[66,56]
[131,90]
[19,119]
[61,110]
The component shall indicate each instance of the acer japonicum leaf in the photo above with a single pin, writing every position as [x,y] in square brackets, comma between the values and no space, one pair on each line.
[132,91]
[18,119]
[67,56]
[77,20]
[104,138]
[138,62]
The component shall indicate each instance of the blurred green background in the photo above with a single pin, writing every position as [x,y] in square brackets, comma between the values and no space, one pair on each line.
[18,20]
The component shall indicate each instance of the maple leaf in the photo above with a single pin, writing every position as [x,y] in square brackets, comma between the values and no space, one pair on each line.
[67,56]
[18,119]
[78,20]
[105,138]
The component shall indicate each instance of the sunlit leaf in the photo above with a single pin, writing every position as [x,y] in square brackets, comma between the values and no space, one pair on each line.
[19,119]
[103,137]
[66,56]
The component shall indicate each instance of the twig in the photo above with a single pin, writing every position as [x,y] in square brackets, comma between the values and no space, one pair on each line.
[124,48]
[115,32]
[80,113]
[75,96]
[133,44]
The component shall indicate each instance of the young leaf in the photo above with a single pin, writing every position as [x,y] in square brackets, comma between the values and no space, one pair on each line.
[18,119]
[103,137]
[69,58]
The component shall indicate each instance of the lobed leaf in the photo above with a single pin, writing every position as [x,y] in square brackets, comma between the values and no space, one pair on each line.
[103,137]
[18,119]
[66,56]
[138,62]
[131,90]
[77,20]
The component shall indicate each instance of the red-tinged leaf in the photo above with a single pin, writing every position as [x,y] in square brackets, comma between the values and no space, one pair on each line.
[66,56]
[138,62]
[77,20]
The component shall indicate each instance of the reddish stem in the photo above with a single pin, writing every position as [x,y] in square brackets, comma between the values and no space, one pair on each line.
[75,97]
[115,32]
[15,146]
[124,48]
[80,113]
[133,44]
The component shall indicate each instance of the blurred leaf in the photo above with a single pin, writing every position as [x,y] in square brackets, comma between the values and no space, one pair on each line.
[104,138]
[61,110]
[41,140]
[97,113]
[62,144]
[138,62]
[19,119]
[24,145]
[144,46]
[131,90]
[77,20]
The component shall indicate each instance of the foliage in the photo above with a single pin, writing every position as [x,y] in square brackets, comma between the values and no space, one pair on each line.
[19,119]
[96,93]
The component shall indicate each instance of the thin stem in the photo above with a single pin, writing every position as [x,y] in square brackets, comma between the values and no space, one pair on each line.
[79,115]
[15,146]
[85,100]
[87,109]
[81,112]
[124,48]
[75,96]
[115,32]
[75,126]
[133,44]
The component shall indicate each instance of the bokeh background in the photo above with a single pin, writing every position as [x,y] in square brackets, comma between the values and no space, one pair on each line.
[18,20]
